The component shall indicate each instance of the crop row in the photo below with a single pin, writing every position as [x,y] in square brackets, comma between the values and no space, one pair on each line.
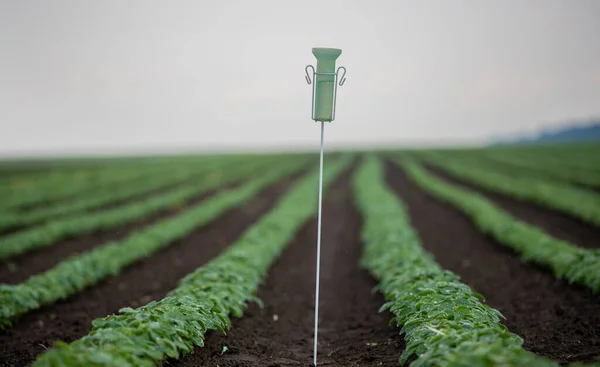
[577,156]
[84,184]
[25,176]
[204,300]
[83,270]
[585,154]
[566,260]
[444,322]
[118,192]
[50,232]
[577,202]
[547,167]
[522,164]
[21,176]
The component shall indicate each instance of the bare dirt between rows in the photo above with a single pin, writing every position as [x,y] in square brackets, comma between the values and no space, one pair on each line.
[557,224]
[21,267]
[351,331]
[516,170]
[147,280]
[106,206]
[175,185]
[556,320]
[88,190]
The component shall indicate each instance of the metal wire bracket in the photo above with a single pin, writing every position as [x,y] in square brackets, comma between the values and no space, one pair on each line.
[340,79]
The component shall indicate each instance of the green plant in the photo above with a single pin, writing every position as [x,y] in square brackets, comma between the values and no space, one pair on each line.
[567,261]
[71,185]
[50,232]
[152,181]
[88,268]
[443,321]
[577,202]
[544,167]
[204,300]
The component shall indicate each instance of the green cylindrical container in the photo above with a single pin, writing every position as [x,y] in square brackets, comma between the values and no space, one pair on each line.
[325,84]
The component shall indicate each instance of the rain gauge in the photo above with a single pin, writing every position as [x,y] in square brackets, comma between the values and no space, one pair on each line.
[325,80]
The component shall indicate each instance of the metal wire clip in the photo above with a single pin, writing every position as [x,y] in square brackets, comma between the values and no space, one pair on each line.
[340,74]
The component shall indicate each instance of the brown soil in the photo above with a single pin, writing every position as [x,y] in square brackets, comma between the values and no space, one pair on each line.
[88,190]
[557,224]
[147,280]
[351,331]
[93,186]
[105,206]
[21,267]
[158,191]
[556,320]
[516,170]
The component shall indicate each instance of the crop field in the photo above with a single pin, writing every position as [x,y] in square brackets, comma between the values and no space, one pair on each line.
[438,257]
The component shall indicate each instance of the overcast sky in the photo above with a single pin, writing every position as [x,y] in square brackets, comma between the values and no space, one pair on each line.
[94,76]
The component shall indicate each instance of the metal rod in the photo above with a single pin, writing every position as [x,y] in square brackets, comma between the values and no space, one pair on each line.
[319,243]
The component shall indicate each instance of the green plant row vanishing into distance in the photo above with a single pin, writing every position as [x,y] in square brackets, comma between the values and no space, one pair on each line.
[177,174]
[88,268]
[577,202]
[57,171]
[48,179]
[585,156]
[566,260]
[50,232]
[522,164]
[84,184]
[548,168]
[204,300]
[580,156]
[444,322]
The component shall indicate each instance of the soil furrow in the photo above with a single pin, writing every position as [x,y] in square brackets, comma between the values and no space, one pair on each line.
[556,320]
[106,206]
[154,192]
[147,280]
[351,331]
[517,170]
[21,267]
[557,224]
[89,189]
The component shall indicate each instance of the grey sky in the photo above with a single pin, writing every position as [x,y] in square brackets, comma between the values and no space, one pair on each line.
[90,76]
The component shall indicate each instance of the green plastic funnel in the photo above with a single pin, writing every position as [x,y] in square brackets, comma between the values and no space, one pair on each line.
[325,83]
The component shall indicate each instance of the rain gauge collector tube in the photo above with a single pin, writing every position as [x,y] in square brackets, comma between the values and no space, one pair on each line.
[325,81]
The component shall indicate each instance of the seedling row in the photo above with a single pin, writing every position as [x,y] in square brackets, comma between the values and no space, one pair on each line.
[439,319]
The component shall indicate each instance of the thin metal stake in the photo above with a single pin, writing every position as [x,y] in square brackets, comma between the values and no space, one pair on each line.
[319,244]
